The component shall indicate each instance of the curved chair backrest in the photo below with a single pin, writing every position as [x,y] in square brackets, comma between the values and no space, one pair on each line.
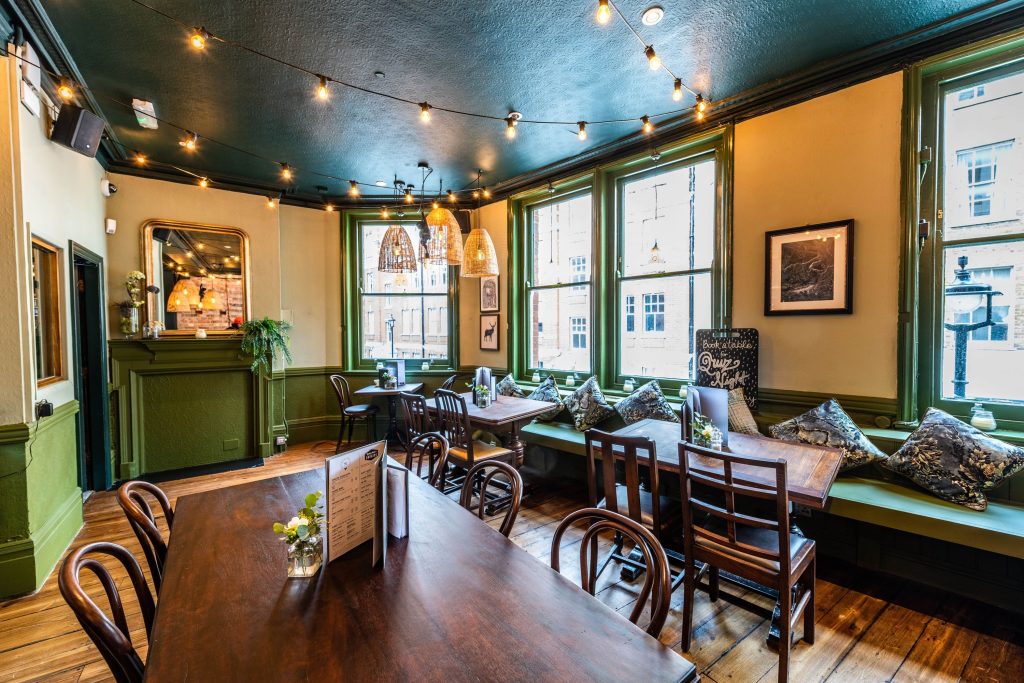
[449,384]
[140,516]
[111,636]
[432,446]
[482,473]
[613,448]
[657,580]
[341,389]
[414,410]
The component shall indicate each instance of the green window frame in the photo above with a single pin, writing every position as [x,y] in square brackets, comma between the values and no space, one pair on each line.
[603,185]
[923,276]
[354,290]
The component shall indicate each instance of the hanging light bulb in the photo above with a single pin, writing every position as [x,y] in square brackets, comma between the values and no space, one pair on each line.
[204,182]
[424,112]
[604,13]
[353,188]
[328,207]
[435,204]
[271,202]
[451,196]
[677,90]
[510,128]
[140,159]
[321,90]
[582,135]
[286,171]
[198,37]
[652,58]
[700,107]
[190,142]
[384,212]
[476,193]
[408,195]
[487,193]
[648,127]
[65,91]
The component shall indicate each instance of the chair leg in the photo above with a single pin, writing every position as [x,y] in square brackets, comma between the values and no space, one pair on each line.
[351,423]
[689,588]
[785,631]
[713,583]
[811,576]
[341,434]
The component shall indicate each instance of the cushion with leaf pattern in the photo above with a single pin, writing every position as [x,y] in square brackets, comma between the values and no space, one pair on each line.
[587,405]
[829,425]
[646,402]
[508,387]
[548,391]
[955,461]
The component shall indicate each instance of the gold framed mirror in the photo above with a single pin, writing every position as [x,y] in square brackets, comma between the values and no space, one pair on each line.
[201,276]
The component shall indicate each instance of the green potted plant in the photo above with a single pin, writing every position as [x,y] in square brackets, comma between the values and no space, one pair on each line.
[264,340]
[302,535]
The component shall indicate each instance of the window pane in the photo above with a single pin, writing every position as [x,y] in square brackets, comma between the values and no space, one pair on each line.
[561,241]
[674,210]
[419,324]
[559,329]
[994,352]
[434,278]
[46,312]
[660,343]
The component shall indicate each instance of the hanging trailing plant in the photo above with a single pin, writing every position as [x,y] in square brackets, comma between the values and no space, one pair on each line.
[264,340]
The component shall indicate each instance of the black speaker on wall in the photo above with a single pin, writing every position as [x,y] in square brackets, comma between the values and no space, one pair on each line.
[78,129]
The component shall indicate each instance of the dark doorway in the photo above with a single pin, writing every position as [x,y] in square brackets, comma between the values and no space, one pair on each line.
[89,355]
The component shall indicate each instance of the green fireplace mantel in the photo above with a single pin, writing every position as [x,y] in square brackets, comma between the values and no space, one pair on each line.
[184,402]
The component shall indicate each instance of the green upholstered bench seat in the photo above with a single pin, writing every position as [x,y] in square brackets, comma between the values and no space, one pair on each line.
[998,529]
[559,436]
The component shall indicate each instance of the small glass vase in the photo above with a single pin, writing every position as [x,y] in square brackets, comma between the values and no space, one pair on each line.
[391,384]
[129,321]
[483,400]
[305,557]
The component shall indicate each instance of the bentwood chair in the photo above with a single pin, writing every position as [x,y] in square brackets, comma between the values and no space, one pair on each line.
[464,451]
[657,581]
[351,412]
[140,516]
[644,505]
[433,448]
[415,416]
[758,548]
[449,384]
[479,477]
[111,636]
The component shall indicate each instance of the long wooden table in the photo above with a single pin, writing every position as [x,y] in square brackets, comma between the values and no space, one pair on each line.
[505,414]
[456,601]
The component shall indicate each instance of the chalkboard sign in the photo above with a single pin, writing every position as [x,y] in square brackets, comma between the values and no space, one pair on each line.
[728,359]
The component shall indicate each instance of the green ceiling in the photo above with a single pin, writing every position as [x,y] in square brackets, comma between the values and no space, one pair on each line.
[546,58]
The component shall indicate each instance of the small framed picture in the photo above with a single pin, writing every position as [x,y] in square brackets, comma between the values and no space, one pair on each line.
[489,332]
[489,293]
[809,270]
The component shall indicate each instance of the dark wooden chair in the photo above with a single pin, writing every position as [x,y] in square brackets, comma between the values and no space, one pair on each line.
[644,505]
[479,477]
[449,384]
[415,417]
[657,580]
[110,635]
[432,447]
[453,421]
[351,412]
[741,541]
[132,499]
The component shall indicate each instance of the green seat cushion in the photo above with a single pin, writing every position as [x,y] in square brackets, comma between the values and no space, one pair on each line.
[999,529]
[560,436]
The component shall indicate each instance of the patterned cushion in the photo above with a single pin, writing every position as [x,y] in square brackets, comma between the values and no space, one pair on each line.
[587,405]
[548,391]
[646,402]
[508,387]
[740,418]
[829,425]
[954,460]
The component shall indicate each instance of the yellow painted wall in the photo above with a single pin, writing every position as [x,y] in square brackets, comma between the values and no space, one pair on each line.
[494,219]
[834,157]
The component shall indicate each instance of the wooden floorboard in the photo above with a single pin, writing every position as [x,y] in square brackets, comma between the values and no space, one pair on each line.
[869,628]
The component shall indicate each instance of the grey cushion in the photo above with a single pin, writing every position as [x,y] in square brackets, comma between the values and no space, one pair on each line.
[740,418]
[646,402]
[508,387]
[829,425]
[548,391]
[955,461]
[587,405]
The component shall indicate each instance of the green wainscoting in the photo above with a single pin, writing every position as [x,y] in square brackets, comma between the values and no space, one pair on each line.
[40,502]
[181,403]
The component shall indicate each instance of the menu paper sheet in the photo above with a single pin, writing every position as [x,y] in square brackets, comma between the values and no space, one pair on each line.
[398,500]
[357,501]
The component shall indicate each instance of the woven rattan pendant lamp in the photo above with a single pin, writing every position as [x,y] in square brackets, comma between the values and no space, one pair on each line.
[396,252]
[445,244]
[178,299]
[479,259]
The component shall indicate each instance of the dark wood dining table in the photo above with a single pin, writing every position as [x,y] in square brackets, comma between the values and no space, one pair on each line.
[394,434]
[455,601]
[507,414]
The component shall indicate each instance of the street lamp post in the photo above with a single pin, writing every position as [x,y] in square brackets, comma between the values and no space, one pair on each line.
[965,296]
[390,322]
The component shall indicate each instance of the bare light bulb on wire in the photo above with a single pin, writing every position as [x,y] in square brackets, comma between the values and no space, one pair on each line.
[198,37]
[451,196]
[604,13]
[204,182]
[321,90]
[677,90]
[582,134]
[271,202]
[486,193]
[510,128]
[286,172]
[140,159]
[353,188]
[328,207]
[653,60]
[647,127]
[190,141]
[384,212]
[65,91]
[408,195]
[424,112]
[700,108]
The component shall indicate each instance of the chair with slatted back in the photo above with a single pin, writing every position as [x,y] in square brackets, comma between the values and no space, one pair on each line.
[415,417]
[723,527]
[429,446]
[464,451]
[479,478]
[642,504]
[110,635]
[131,496]
[449,384]
[657,580]
[351,412]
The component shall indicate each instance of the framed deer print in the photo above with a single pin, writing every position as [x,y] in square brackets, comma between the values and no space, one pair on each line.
[489,332]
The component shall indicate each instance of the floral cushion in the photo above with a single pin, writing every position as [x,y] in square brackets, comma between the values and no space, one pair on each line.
[829,425]
[508,387]
[646,402]
[740,418]
[548,391]
[955,461]
[587,405]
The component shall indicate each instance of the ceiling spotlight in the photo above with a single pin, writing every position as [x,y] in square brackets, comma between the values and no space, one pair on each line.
[353,188]
[321,90]
[652,58]
[677,89]
[582,135]
[286,171]
[64,90]
[604,13]
[190,141]
[647,125]
[424,112]
[652,15]
[204,182]
[198,37]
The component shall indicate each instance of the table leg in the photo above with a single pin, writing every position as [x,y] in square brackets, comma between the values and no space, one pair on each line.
[516,444]
[394,434]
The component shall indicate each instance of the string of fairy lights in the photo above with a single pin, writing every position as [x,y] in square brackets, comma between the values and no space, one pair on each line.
[202,39]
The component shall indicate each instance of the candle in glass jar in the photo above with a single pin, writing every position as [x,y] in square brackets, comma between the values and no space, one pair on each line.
[200,333]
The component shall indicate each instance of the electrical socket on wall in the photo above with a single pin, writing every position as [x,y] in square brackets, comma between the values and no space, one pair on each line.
[43,409]
[280,440]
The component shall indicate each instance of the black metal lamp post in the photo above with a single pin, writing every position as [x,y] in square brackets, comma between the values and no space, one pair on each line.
[390,322]
[965,296]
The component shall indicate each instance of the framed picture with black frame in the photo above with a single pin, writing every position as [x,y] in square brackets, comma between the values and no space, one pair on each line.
[489,294]
[489,332]
[809,270]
